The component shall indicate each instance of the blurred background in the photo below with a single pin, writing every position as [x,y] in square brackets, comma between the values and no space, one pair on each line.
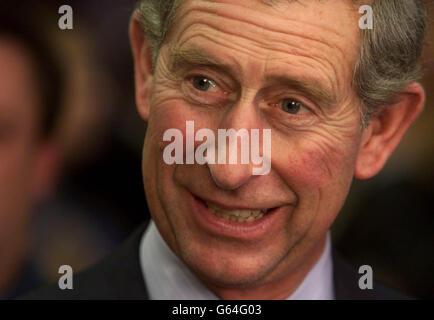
[83,191]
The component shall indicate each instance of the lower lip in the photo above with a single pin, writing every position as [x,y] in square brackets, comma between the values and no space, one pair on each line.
[249,231]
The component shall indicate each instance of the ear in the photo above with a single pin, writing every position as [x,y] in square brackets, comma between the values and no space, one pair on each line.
[386,130]
[143,71]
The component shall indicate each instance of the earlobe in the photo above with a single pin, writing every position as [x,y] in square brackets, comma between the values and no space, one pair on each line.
[143,70]
[386,130]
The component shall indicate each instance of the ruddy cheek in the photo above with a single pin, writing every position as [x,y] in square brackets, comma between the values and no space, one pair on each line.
[320,164]
[310,168]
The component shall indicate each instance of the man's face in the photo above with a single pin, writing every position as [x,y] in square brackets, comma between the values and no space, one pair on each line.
[18,130]
[244,64]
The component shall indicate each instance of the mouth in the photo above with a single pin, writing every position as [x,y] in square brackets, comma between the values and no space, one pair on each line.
[237,222]
[237,215]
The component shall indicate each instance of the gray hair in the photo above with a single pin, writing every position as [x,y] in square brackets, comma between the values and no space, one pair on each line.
[389,53]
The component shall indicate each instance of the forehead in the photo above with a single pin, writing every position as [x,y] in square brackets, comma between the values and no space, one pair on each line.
[331,22]
[272,36]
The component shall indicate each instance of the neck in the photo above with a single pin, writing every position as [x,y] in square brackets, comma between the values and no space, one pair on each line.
[281,287]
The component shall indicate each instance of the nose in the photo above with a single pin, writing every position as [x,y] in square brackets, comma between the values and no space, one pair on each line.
[237,124]
[230,176]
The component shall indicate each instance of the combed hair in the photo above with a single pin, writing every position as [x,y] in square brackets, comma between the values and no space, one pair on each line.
[388,57]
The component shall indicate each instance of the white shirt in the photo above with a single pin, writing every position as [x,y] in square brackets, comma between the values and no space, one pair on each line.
[168,278]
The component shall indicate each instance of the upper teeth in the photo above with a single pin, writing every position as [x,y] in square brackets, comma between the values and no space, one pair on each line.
[237,214]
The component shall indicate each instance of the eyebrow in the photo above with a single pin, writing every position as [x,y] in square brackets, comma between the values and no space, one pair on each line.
[310,87]
[181,58]
[184,58]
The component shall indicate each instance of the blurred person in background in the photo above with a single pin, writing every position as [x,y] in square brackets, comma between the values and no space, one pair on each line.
[96,204]
[89,211]
[79,220]
[30,98]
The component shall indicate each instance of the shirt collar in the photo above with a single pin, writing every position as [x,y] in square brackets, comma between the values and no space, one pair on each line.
[168,278]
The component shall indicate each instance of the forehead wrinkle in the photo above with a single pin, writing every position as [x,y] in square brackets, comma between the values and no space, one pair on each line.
[215,37]
[200,13]
[252,36]
[228,43]
[252,52]
[201,19]
[215,9]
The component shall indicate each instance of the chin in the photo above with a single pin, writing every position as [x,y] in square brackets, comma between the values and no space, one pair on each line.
[229,269]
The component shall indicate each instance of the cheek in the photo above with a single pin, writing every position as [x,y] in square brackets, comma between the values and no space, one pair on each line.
[15,188]
[16,165]
[311,166]
[173,113]
[166,113]
[316,165]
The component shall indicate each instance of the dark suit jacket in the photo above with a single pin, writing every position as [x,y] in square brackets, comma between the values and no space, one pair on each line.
[119,276]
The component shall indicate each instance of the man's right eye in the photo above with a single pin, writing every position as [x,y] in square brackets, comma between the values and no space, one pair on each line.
[204,84]
[202,90]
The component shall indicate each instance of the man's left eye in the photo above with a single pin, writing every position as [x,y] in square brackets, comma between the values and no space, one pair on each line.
[203,84]
[293,106]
